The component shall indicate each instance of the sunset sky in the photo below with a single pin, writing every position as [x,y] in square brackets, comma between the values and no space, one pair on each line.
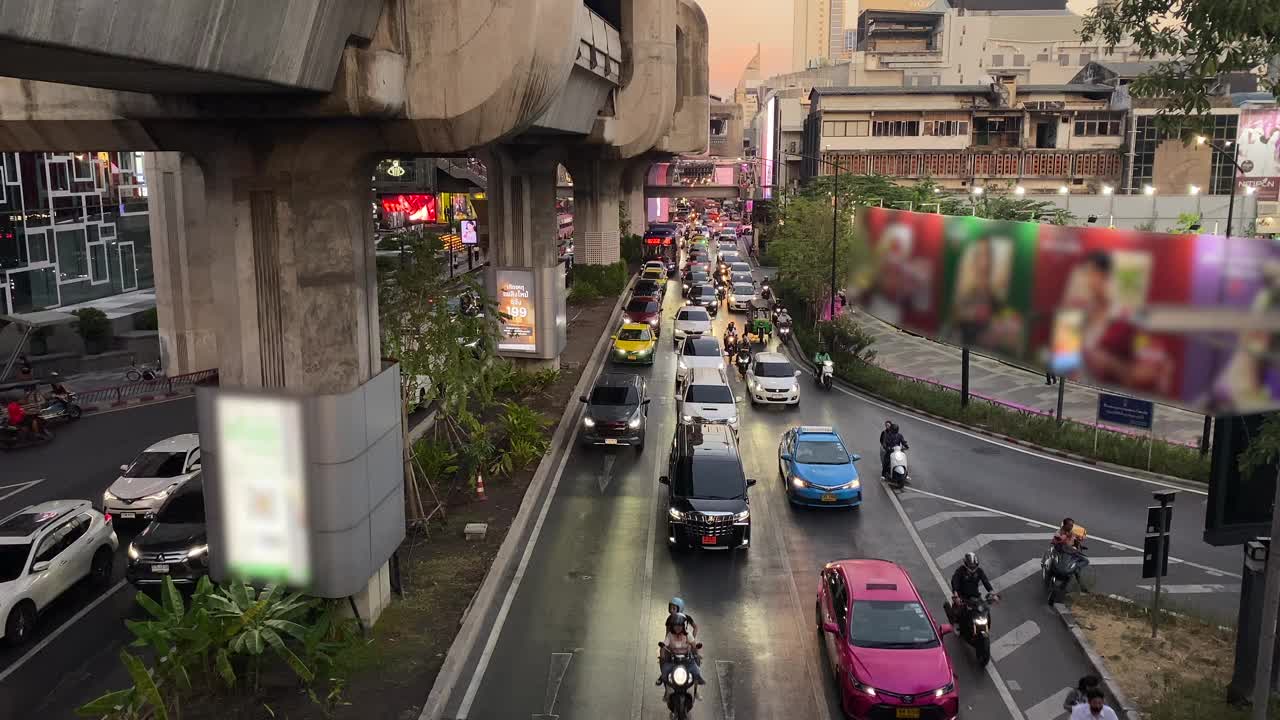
[737,25]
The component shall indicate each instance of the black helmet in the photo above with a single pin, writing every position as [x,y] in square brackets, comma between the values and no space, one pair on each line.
[971,561]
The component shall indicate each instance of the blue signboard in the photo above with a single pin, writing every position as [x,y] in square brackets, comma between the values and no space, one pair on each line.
[1121,410]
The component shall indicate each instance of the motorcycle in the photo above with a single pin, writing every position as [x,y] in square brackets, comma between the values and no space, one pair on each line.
[973,623]
[1058,568]
[13,438]
[899,474]
[826,374]
[731,344]
[743,360]
[60,409]
[679,687]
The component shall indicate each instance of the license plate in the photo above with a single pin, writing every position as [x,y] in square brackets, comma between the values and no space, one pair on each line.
[631,357]
[708,540]
[610,441]
[162,569]
[128,516]
[908,712]
[832,498]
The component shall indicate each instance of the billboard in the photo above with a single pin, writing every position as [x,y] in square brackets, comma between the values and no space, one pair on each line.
[768,157]
[468,231]
[516,311]
[1182,318]
[1260,152]
[416,207]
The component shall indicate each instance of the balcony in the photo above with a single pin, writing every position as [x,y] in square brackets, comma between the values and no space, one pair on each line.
[964,164]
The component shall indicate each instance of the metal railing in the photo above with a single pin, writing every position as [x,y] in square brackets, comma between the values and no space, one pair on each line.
[160,387]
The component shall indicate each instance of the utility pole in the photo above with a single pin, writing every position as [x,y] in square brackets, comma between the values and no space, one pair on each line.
[1270,610]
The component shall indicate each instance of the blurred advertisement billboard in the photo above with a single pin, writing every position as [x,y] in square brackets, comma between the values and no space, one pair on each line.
[1260,153]
[1183,318]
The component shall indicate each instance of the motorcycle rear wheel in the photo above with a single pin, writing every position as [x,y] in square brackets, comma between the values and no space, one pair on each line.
[983,647]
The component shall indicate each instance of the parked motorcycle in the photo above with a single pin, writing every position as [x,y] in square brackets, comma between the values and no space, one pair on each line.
[899,474]
[13,438]
[679,687]
[972,621]
[1058,568]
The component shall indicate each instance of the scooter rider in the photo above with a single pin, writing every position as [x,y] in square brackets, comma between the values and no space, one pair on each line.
[675,610]
[821,356]
[678,642]
[889,437]
[967,582]
[1065,542]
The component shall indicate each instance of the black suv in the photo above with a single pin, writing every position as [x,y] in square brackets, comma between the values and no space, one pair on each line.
[649,288]
[175,544]
[707,502]
[617,411]
[705,295]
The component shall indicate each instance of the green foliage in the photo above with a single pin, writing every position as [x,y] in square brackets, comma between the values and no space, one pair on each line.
[1187,223]
[632,248]
[437,459]
[884,190]
[1148,226]
[1208,38]
[802,248]
[524,438]
[1005,207]
[846,336]
[1264,448]
[583,291]
[92,324]
[146,320]
[205,645]
[602,280]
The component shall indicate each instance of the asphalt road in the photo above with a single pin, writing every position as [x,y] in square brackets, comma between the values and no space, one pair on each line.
[73,655]
[579,638]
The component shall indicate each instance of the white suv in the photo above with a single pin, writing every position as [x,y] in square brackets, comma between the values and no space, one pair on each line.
[691,321]
[698,352]
[152,477]
[44,550]
[773,380]
[707,397]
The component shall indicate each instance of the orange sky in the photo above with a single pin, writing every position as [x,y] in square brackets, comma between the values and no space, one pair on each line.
[737,25]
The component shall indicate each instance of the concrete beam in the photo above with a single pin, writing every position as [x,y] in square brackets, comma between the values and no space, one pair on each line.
[690,126]
[643,106]
[718,192]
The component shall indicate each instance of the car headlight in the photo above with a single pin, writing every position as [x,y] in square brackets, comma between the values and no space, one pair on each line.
[796,482]
[675,514]
[620,351]
[944,690]
[162,494]
[586,420]
[133,552]
[686,418]
[653,322]
[851,485]
[108,495]
[741,516]
[634,422]
[680,676]
[197,551]
[864,688]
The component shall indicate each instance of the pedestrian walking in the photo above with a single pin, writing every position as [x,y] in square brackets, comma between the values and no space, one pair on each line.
[1080,693]
[1095,708]
[1049,377]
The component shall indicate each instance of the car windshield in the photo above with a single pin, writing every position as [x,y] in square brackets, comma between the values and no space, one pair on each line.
[821,452]
[708,394]
[774,369]
[743,289]
[697,276]
[894,624]
[704,292]
[642,306]
[740,267]
[13,560]
[701,347]
[634,334]
[719,479]
[187,508]
[610,395]
[157,465]
[646,287]
[694,315]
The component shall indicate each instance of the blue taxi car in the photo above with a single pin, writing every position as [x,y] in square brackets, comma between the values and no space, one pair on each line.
[817,470]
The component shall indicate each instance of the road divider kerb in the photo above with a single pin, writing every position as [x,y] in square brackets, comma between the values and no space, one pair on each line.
[1127,708]
[536,498]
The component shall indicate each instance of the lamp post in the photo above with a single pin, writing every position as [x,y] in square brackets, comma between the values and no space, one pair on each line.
[1220,146]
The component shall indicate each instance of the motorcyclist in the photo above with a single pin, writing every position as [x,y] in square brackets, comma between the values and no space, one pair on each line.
[678,642]
[743,358]
[731,338]
[889,437]
[967,582]
[1066,542]
[821,356]
[20,419]
[675,609]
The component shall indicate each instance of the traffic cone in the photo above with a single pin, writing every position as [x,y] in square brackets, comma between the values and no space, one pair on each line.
[480,487]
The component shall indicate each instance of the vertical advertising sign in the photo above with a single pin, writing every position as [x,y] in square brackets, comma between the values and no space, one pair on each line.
[516,311]
[468,230]
[261,470]
[1260,152]
[767,143]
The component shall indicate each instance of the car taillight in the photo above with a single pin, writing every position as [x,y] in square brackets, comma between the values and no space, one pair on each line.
[106,518]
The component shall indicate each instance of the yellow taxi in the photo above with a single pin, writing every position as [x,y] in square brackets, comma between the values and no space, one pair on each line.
[654,273]
[635,343]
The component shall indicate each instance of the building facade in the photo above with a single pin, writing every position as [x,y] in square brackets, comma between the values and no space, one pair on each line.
[817,32]
[73,228]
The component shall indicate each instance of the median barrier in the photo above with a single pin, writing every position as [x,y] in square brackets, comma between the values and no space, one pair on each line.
[145,391]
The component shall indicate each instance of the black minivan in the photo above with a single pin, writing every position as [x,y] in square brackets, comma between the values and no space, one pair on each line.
[707,503]
[175,544]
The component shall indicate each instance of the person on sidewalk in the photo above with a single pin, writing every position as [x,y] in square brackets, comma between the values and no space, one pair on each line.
[1049,377]
[1094,708]
[1080,694]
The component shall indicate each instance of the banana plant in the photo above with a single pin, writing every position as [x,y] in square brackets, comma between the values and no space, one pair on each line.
[254,620]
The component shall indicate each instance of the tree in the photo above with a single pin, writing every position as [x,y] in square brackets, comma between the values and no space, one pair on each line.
[801,246]
[1003,207]
[1207,37]
[884,190]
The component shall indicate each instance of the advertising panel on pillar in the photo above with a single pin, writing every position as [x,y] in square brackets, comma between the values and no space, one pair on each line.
[516,311]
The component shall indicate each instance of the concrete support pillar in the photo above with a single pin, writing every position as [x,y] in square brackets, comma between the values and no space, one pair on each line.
[634,178]
[265,261]
[183,263]
[524,246]
[597,190]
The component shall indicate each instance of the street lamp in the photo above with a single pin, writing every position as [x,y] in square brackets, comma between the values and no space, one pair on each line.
[977,190]
[1019,190]
[835,216]
[1221,146]
[1063,190]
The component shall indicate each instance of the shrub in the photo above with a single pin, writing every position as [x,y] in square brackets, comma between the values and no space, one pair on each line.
[146,320]
[92,324]
[632,249]
[608,280]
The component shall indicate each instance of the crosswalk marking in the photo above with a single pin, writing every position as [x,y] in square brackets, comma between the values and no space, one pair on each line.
[1014,639]
[939,518]
[954,555]
[1048,708]
[1017,575]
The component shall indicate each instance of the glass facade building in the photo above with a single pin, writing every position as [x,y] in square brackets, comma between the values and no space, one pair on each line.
[73,228]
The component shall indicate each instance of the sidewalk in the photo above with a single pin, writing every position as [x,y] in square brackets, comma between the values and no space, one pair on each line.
[918,357]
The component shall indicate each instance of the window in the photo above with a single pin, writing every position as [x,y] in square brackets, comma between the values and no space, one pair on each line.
[98,264]
[695,315]
[829,129]
[13,561]
[1085,58]
[946,128]
[997,60]
[1019,60]
[157,465]
[719,479]
[715,394]
[1042,57]
[1097,125]
[186,508]
[701,347]
[998,131]
[821,452]
[1224,129]
[891,624]
[1064,60]
[774,369]
[895,128]
[636,334]
[857,128]
[610,395]
[73,256]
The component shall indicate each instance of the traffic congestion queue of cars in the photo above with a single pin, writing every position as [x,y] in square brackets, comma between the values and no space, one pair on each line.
[884,647]
[49,547]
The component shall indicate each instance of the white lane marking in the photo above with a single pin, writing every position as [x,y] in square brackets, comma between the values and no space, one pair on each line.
[1014,639]
[977,542]
[1001,687]
[1015,448]
[724,675]
[640,683]
[1122,560]
[606,473]
[1193,589]
[939,518]
[1050,707]
[555,675]
[1016,575]
[61,629]
[478,674]
[1123,546]
[19,487]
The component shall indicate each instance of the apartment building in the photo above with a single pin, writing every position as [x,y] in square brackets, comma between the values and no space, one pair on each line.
[726,129]
[1040,137]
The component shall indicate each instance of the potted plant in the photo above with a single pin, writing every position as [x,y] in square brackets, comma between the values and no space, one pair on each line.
[94,329]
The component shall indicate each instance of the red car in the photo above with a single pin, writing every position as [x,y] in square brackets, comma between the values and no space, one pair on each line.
[644,309]
[882,644]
